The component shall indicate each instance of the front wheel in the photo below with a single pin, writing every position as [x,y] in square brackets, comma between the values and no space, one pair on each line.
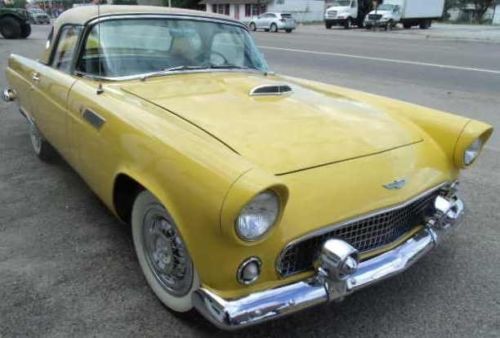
[426,24]
[25,31]
[328,25]
[10,28]
[252,27]
[274,28]
[390,25]
[347,24]
[162,253]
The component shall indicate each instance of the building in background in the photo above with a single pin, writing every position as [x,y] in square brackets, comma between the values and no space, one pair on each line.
[244,10]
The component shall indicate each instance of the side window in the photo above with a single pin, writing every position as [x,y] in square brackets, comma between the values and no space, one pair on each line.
[65,49]
[354,4]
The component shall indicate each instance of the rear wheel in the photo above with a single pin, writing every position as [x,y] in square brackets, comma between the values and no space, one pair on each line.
[25,31]
[41,147]
[288,30]
[253,27]
[425,24]
[10,28]
[162,253]
[274,28]
[406,26]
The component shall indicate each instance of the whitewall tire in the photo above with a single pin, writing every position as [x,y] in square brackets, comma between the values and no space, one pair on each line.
[162,254]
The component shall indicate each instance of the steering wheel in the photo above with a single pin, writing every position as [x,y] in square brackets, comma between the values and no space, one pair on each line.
[217,58]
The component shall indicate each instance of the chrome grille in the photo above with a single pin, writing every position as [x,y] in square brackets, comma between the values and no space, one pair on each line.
[331,14]
[374,16]
[364,234]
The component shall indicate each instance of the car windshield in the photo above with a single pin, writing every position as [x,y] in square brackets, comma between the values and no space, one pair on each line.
[341,3]
[385,7]
[128,47]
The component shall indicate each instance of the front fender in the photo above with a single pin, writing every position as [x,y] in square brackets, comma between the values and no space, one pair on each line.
[443,128]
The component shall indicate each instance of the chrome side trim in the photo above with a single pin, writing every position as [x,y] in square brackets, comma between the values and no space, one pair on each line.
[328,284]
[336,226]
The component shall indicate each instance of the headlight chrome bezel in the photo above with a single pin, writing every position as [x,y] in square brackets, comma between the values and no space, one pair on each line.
[269,193]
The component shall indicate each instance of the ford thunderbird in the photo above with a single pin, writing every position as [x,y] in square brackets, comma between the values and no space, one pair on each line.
[250,195]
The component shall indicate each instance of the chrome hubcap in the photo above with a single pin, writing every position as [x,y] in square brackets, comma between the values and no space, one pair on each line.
[166,253]
[36,139]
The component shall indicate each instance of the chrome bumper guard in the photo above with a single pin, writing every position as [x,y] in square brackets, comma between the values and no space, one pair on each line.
[338,274]
[8,95]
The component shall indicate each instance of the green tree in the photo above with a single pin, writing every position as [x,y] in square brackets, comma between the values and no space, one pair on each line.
[16,4]
[480,6]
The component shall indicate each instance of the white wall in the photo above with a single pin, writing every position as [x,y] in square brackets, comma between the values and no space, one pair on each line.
[302,10]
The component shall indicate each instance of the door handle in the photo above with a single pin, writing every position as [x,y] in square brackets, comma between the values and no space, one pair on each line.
[35,77]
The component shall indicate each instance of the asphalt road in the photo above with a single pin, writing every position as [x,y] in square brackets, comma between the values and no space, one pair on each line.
[67,267]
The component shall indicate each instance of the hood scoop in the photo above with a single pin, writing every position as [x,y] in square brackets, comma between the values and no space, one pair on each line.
[271,90]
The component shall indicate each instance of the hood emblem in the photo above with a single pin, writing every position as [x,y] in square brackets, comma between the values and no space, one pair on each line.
[395,185]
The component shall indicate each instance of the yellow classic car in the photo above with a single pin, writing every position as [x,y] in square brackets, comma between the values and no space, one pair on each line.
[250,195]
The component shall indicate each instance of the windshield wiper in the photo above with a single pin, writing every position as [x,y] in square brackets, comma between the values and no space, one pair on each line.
[171,69]
[228,66]
[182,67]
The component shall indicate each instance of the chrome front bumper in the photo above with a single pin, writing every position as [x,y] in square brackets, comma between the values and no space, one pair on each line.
[338,273]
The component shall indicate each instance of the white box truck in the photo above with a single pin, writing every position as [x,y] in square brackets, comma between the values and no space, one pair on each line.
[407,12]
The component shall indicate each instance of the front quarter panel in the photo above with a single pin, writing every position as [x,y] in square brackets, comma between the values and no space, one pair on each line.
[188,171]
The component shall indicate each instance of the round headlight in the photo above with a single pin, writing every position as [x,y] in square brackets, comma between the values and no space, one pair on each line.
[472,152]
[258,216]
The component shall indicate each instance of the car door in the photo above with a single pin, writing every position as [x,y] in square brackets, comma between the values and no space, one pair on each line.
[262,21]
[51,85]
[272,18]
[397,13]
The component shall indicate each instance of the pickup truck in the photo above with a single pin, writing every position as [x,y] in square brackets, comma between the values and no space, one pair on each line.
[14,22]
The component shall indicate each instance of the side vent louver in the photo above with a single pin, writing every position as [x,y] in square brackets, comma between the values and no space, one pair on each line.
[267,90]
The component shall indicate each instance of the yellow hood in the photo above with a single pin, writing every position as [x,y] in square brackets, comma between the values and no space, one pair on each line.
[287,133]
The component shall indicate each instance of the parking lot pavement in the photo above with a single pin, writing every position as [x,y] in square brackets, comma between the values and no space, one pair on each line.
[67,267]
[438,31]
